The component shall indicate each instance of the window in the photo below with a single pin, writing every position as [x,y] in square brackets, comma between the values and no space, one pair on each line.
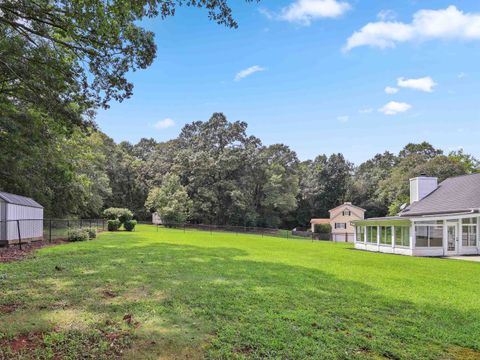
[402,236]
[386,235]
[346,213]
[360,230]
[469,232]
[340,225]
[372,234]
[429,234]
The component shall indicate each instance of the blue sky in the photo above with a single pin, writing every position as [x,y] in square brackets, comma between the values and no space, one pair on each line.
[312,84]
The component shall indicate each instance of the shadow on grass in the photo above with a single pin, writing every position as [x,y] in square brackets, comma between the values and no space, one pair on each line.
[193,302]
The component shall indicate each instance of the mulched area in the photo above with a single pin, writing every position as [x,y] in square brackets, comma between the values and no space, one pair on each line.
[13,253]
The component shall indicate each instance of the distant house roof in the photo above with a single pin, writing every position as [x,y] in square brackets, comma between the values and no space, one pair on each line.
[454,195]
[19,200]
[347,204]
[320,221]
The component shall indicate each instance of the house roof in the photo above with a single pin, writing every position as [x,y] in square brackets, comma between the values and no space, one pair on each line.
[454,195]
[19,200]
[347,204]
[320,221]
[384,221]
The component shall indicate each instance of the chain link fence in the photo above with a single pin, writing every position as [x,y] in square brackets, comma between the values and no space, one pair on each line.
[262,231]
[18,232]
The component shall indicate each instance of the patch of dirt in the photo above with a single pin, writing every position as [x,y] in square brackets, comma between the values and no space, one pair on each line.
[109,294]
[8,308]
[13,253]
[245,350]
[458,352]
[23,342]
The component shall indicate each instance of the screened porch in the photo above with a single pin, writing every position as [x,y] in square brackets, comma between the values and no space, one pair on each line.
[434,236]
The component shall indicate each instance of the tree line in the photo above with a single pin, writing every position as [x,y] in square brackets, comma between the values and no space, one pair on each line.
[60,61]
[212,173]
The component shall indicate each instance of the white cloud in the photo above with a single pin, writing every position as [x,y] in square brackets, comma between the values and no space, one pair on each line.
[461,75]
[164,124]
[422,84]
[305,11]
[247,72]
[386,15]
[394,108]
[391,90]
[365,111]
[343,118]
[449,23]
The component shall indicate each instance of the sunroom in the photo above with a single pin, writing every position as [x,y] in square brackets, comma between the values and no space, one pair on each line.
[423,236]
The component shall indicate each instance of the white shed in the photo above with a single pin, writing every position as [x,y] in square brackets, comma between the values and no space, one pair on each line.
[29,214]
[156,219]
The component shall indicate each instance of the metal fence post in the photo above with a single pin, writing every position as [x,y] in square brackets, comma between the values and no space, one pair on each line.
[19,235]
[50,231]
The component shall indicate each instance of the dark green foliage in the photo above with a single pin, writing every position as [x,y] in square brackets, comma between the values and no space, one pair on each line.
[92,232]
[120,214]
[78,235]
[113,225]
[323,228]
[129,225]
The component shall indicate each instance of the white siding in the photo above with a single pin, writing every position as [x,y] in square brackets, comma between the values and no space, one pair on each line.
[31,224]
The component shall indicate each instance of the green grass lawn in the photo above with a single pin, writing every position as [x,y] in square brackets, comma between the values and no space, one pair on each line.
[173,294]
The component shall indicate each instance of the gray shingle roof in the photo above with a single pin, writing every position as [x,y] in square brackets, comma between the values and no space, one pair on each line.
[456,194]
[19,200]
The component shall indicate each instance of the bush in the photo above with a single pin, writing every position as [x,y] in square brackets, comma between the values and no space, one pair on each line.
[323,229]
[113,225]
[77,235]
[92,232]
[129,225]
[121,214]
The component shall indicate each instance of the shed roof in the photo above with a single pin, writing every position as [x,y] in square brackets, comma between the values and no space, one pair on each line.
[19,200]
[454,195]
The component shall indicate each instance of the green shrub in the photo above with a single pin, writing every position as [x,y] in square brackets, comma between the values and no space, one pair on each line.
[113,225]
[121,214]
[77,235]
[323,229]
[129,225]
[92,232]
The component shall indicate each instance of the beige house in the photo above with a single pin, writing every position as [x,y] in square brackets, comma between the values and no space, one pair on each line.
[340,221]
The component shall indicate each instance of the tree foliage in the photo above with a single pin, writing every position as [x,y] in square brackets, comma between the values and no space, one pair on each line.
[69,57]
[170,201]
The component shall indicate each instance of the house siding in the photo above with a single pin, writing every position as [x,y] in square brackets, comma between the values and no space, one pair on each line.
[337,217]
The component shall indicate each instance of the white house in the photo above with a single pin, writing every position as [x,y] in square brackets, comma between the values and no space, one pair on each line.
[441,220]
[29,214]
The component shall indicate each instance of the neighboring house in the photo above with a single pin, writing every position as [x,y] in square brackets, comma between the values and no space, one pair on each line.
[29,214]
[441,220]
[340,220]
